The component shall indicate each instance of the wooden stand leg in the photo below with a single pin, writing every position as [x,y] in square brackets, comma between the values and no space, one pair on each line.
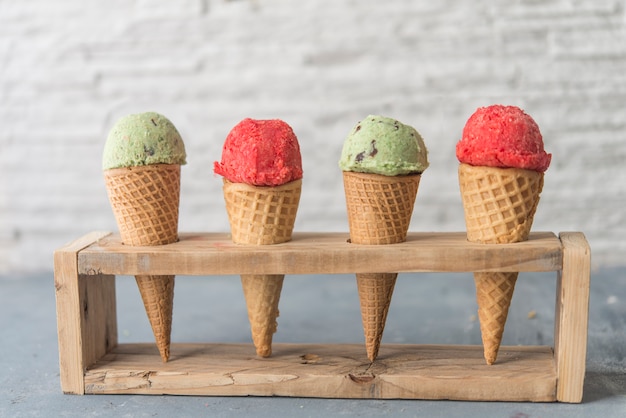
[86,314]
[572,313]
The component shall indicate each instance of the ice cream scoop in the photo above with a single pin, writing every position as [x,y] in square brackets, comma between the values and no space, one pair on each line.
[382,145]
[502,136]
[260,153]
[143,139]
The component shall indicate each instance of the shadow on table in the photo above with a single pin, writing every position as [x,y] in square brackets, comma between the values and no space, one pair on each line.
[603,385]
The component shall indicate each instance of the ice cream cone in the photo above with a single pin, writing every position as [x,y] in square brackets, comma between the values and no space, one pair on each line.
[375,292]
[157,294]
[262,216]
[379,212]
[145,202]
[262,293]
[499,205]
[494,292]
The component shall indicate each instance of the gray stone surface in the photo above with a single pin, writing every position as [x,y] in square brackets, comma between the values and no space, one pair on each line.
[426,308]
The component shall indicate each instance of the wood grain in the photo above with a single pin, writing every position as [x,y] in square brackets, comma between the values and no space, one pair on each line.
[572,315]
[86,321]
[320,253]
[328,371]
[92,362]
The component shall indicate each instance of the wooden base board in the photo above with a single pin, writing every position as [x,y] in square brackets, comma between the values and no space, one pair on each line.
[404,371]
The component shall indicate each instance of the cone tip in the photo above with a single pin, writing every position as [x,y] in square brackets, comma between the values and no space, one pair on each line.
[372,353]
[264,351]
[490,358]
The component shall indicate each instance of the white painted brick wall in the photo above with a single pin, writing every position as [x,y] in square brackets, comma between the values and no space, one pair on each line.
[70,68]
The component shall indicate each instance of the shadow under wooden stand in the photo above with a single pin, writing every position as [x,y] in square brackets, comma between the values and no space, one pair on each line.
[92,361]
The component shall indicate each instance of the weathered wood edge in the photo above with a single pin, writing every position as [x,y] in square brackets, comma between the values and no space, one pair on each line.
[572,316]
[402,371]
[68,307]
[320,253]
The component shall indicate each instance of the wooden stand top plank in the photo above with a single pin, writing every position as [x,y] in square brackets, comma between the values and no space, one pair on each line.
[401,371]
[320,253]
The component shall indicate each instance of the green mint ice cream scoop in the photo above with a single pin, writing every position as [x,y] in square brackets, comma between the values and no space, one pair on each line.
[143,139]
[381,145]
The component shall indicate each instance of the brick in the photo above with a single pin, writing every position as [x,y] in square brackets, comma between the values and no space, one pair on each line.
[607,42]
[177,9]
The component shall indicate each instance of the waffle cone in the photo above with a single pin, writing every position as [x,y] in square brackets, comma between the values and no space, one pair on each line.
[379,207]
[494,292]
[379,213]
[262,293]
[499,205]
[145,202]
[262,216]
[157,294]
[375,291]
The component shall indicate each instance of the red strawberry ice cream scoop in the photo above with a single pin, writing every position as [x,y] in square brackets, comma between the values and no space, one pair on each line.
[502,136]
[261,153]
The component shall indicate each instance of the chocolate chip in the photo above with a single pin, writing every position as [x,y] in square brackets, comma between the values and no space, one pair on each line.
[359,157]
[153,122]
[148,151]
[374,150]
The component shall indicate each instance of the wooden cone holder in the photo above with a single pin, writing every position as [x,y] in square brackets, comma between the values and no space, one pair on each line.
[92,361]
